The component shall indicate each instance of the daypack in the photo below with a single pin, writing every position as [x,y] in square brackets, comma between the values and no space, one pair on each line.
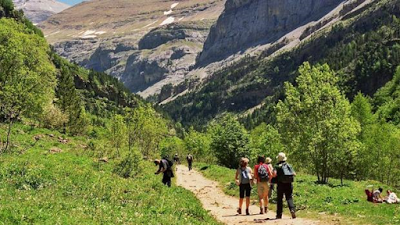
[263,174]
[244,176]
[288,173]
[189,158]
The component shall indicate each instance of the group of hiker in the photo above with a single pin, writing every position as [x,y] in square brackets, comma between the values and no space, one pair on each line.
[165,167]
[375,196]
[265,176]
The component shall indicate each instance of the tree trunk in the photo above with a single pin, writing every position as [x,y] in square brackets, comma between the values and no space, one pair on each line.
[8,134]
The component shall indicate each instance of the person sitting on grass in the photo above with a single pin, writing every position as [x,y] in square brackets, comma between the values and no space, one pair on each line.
[377,195]
[263,175]
[391,198]
[244,179]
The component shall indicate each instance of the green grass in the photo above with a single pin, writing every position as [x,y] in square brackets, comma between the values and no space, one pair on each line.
[71,187]
[346,203]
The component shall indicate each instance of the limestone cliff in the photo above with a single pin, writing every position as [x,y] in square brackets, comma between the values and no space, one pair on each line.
[247,23]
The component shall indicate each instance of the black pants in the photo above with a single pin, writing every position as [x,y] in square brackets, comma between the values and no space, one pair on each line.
[190,166]
[244,190]
[166,180]
[287,190]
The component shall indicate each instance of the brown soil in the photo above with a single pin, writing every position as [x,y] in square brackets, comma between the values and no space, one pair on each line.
[223,207]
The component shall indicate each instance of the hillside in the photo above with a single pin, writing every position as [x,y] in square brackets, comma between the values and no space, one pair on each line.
[38,11]
[348,42]
[145,44]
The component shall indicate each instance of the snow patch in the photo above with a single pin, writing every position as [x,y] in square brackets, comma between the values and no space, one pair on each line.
[174,5]
[100,32]
[167,12]
[181,18]
[169,20]
[148,25]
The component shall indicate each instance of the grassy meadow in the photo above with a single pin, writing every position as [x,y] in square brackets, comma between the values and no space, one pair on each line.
[73,187]
[345,204]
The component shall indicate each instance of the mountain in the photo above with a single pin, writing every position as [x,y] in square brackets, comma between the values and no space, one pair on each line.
[39,10]
[359,39]
[145,44]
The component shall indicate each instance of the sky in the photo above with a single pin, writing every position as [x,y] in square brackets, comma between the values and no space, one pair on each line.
[71,2]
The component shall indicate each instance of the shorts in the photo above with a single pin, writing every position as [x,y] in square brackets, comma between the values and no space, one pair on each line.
[244,189]
[262,189]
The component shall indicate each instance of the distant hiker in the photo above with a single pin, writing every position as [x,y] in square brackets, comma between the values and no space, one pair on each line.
[284,174]
[165,167]
[377,195]
[244,179]
[263,175]
[392,198]
[176,159]
[189,159]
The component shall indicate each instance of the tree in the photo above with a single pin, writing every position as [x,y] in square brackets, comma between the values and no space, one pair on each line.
[118,132]
[229,141]
[146,128]
[26,82]
[316,124]
[198,144]
[266,141]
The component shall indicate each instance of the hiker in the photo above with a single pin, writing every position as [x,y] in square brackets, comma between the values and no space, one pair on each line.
[189,159]
[391,198]
[268,161]
[377,195]
[263,175]
[176,159]
[244,179]
[165,167]
[284,174]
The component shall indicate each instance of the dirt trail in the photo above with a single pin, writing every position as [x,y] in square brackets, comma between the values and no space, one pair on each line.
[223,207]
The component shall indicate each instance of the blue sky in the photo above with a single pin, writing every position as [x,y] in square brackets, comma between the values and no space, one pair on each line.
[71,2]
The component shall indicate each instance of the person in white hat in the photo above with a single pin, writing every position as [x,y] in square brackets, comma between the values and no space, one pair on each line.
[284,174]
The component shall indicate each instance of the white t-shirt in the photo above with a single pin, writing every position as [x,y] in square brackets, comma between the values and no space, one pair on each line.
[392,198]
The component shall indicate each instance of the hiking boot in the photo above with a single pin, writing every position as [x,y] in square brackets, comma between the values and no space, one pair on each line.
[293,214]
[265,209]
[261,210]
[239,211]
[247,212]
[278,217]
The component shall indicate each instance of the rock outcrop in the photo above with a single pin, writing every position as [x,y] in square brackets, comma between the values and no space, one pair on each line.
[247,23]
[144,43]
[39,10]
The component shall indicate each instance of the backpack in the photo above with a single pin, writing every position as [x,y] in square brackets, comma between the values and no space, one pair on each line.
[189,158]
[263,174]
[244,176]
[288,173]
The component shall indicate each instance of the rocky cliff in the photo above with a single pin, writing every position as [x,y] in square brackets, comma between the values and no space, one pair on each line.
[247,23]
[39,10]
[144,43]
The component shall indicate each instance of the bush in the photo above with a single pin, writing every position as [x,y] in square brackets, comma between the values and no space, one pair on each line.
[130,166]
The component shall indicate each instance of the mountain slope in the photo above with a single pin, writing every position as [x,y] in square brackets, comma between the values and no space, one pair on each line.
[360,43]
[39,10]
[145,44]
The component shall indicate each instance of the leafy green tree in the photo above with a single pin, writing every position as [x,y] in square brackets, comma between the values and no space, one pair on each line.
[266,141]
[229,141]
[118,133]
[146,128]
[316,124]
[198,144]
[172,145]
[27,76]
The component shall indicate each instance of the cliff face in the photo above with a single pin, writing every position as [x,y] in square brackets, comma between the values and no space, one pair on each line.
[39,10]
[263,21]
[144,43]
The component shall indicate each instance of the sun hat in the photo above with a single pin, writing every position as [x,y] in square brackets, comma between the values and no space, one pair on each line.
[268,160]
[281,157]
